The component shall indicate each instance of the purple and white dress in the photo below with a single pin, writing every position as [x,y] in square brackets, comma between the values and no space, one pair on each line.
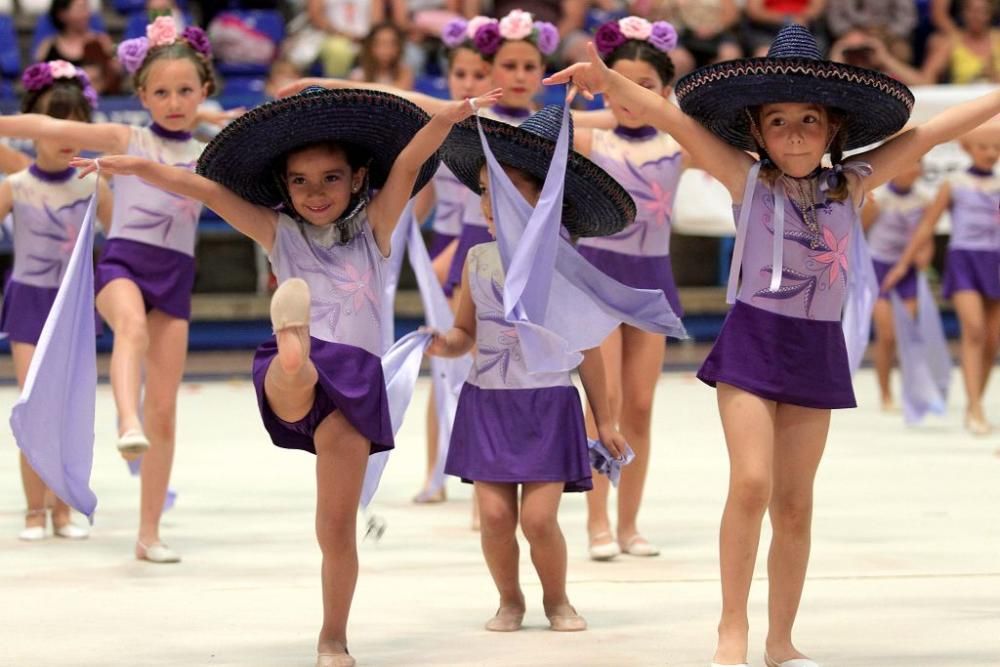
[153,232]
[451,198]
[345,281]
[648,164]
[973,259]
[787,345]
[474,229]
[898,218]
[512,426]
[48,209]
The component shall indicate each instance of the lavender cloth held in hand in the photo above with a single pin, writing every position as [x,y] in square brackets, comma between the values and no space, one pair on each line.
[924,360]
[602,461]
[53,420]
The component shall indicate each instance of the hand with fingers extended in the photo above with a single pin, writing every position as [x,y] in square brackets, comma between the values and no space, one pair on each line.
[124,165]
[459,110]
[590,78]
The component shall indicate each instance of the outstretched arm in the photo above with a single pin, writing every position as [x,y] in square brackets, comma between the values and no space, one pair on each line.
[902,151]
[257,222]
[100,137]
[428,103]
[726,163]
[923,235]
[388,204]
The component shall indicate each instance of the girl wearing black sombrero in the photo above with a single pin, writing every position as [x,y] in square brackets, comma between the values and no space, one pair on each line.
[296,176]
[781,361]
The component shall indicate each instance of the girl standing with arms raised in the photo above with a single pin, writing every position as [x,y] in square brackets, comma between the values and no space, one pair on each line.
[780,363]
[145,274]
[48,205]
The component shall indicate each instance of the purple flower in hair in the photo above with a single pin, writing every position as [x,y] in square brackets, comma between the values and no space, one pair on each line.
[608,38]
[453,34]
[663,36]
[132,52]
[548,37]
[88,89]
[37,77]
[488,39]
[198,40]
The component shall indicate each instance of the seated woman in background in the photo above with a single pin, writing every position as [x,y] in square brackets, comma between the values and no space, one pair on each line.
[381,58]
[76,43]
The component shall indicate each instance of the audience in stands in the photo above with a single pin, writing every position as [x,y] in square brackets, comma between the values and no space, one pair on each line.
[76,42]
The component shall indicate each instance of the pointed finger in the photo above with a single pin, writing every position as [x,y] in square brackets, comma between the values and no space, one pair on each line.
[571,93]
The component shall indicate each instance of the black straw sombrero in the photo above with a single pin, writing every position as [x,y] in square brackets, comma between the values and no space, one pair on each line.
[594,203]
[874,105]
[244,155]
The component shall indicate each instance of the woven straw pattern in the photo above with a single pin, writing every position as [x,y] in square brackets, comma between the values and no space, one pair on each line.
[244,155]
[595,203]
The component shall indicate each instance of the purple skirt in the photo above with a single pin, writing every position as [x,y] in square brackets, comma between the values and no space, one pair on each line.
[515,436]
[350,380]
[975,270]
[25,309]
[637,271]
[438,243]
[781,358]
[164,277]
[905,288]
[472,235]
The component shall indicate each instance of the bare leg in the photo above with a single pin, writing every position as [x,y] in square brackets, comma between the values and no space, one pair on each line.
[800,437]
[748,422]
[971,310]
[642,363]
[341,458]
[884,352]
[498,522]
[992,339]
[598,522]
[120,304]
[165,359]
[432,454]
[34,487]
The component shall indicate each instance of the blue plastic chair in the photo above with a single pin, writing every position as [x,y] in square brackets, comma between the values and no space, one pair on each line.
[10,59]
[270,23]
[128,7]
[45,28]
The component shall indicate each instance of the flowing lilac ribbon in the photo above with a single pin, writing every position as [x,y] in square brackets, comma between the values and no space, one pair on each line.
[742,225]
[924,360]
[571,305]
[53,420]
[859,302]
[447,375]
[391,276]
[603,462]
[401,367]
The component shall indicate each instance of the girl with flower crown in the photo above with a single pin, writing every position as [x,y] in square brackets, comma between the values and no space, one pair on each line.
[648,163]
[146,271]
[781,361]
[47,205]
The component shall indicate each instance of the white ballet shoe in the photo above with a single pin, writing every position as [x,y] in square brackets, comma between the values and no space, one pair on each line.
[133,442]
[156,553]
[638,545]
[719,664]
[71,531]
[794,662]
[977,426]
[507,619]
[290,305]
[568,621]
[606,551]
[335,660]
[32,534]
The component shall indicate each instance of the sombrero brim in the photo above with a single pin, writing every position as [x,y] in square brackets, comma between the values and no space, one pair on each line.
[875,106]
[242,157]
[595,204]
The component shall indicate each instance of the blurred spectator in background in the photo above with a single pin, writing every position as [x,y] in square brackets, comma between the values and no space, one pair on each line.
[76,43]
[891,21]
[381,58]
[335,30]
[166,8]
[281,73]
[764,18]
[705,28]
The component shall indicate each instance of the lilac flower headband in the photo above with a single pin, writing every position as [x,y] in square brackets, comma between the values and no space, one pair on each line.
[486,35]
[660,35]
[42,75]
[161,32]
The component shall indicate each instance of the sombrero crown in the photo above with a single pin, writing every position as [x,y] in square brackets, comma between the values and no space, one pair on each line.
[874,105]
[243,157]
[595,204]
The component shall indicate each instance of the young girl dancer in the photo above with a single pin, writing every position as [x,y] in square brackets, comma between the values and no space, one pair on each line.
[972,268]
[319,381]
[649,164]
[516,425]
[146,271]
[890,219]
[780,362]
[48,206]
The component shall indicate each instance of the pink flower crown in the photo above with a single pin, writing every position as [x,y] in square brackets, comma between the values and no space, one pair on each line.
[42,75]
[486,35]
[661,35]
[161,32]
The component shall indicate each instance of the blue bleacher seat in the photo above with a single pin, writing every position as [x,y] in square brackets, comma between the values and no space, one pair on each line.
[135,24]
[236,84]
[10,59]
[45,28]
[266,21]
[435,86]
[128,7]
